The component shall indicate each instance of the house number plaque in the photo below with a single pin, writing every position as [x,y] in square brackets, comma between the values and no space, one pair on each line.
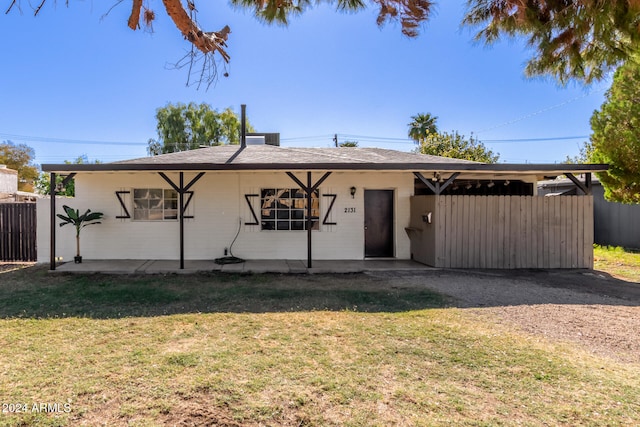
[349,210]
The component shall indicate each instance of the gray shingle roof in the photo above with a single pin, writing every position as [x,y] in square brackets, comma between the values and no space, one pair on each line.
[269,154]
[268,157]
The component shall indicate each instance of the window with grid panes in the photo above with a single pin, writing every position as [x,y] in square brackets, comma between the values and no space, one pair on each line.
[155,204]
[286,209]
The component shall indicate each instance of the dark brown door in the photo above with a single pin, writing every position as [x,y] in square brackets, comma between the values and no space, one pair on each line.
[378,223]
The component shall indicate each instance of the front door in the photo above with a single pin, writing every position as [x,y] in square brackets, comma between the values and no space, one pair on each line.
[378,223]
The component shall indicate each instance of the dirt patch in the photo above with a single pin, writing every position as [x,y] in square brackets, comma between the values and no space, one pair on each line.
[606,330]
[199,412]
[592,309]
[11,266]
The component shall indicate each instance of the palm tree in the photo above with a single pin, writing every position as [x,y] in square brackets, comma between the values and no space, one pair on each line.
[421,125]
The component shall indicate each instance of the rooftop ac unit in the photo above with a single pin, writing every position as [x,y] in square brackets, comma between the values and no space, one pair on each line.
[259,138]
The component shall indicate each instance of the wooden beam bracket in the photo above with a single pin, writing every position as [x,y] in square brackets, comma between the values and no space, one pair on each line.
[438,188]
[584,187]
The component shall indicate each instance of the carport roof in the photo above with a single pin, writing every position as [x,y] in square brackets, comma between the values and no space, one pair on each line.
[268,157]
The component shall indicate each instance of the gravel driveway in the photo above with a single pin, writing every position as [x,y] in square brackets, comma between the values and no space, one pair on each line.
[592,309]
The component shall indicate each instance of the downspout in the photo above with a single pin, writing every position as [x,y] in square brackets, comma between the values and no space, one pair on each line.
[52,241]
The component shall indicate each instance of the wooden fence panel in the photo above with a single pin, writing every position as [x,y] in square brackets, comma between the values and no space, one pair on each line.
[555,235]
[443,215]
[457,233]
[18,232]
[515,232]
[588,231]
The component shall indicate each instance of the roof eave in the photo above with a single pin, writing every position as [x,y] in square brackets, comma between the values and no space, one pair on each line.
[444,167]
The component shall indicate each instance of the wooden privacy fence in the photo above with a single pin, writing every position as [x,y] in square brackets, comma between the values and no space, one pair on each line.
[513,231]
[18,232]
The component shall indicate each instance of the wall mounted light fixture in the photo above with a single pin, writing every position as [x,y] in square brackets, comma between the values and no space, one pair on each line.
[353,192]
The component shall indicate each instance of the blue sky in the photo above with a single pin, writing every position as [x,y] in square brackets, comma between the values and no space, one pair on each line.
[72,79]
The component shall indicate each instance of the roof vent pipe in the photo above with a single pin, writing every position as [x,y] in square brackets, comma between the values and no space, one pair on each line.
[243,125]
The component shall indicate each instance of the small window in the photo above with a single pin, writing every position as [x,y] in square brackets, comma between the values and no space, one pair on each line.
[285,209]
[155,204]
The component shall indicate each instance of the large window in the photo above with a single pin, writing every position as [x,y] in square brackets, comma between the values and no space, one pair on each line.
[155,204]
[286,209]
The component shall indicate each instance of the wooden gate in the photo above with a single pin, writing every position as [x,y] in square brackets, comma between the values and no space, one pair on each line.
[18,232]
[503,231]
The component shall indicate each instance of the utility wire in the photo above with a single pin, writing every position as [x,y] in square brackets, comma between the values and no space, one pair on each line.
[65,141]
[544,110]
[559,138]
[303,139]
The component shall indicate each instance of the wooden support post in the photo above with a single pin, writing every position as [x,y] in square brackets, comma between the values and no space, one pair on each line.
[309,189]
[53,191]
[309,192]
[181,219]
[181,189]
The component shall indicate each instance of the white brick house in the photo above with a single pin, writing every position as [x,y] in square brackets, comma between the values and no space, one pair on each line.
[358,202]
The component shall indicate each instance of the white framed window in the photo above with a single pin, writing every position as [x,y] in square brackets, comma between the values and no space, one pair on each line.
[155,204]
[285,209]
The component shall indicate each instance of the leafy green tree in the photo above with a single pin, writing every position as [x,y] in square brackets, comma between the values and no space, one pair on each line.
[19,158]
[348,144]
[584,155]
[571,39]
[456,146]
[44,179]
[616,136]
[183,127]
[422,125]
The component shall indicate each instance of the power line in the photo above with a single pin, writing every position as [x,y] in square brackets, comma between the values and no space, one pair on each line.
[66,141]
[361,138]
[305,139]
[544,110]
[558,138]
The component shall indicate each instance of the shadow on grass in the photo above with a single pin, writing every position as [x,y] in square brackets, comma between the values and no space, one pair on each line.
[32,293]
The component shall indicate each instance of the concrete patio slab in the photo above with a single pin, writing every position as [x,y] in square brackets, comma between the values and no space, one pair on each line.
[296,266]
[173,266]
[120,266]
[250,266]
[267,266]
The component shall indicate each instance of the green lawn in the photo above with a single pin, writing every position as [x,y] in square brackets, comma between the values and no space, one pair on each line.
[618,262]
[284,350]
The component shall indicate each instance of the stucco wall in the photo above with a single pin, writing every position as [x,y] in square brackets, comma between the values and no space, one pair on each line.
[218,207]
[8,180]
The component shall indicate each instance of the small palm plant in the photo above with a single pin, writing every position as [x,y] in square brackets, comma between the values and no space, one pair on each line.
[79,221]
